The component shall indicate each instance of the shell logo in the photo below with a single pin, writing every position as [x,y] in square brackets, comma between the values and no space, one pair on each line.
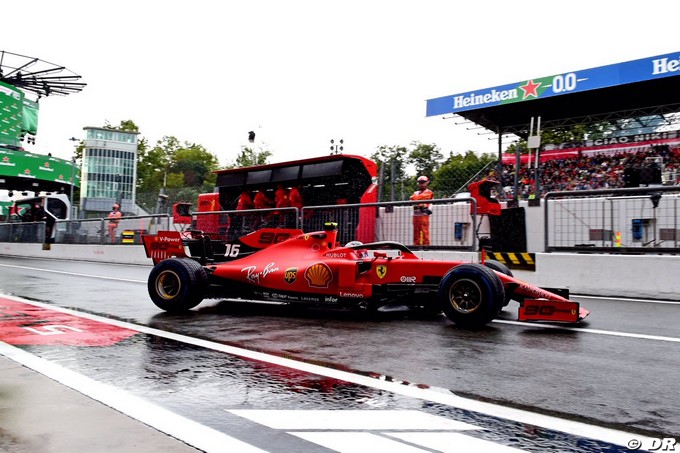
[319,275]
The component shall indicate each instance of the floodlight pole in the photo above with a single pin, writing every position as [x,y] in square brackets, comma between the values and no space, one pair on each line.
[335,148]
[73,179]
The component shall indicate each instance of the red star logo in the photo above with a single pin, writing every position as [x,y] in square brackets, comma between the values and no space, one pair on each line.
[61,176]
[47,164]
[530,89]
[5,159]
[27,172]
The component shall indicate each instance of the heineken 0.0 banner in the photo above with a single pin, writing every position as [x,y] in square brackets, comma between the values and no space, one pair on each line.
[11,107]
[36,166]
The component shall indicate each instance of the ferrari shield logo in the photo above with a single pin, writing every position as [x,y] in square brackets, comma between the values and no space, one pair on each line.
[290,275]
[381,271]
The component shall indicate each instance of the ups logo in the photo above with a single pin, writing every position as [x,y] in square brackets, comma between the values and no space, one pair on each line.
[290,275]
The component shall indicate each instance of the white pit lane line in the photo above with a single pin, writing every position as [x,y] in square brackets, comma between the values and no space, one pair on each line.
[199,435]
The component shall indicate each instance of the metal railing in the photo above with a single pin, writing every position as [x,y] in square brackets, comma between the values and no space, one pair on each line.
[630,220]
[86,231]
[22,232]
[452,224]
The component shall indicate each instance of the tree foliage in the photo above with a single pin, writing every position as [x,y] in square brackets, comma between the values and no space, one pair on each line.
[459,170]
[249,157]
[390,160]
[174,164]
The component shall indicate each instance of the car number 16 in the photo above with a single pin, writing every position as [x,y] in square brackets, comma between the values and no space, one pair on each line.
[232,250]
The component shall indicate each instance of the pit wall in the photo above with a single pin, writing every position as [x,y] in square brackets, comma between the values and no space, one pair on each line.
[633,276]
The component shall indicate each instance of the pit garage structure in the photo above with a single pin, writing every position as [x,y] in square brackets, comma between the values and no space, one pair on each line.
[22,171]
[632,95]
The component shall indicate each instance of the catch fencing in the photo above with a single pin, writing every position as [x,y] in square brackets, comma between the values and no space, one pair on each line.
[452,224]
[86,231]
[644,220]
[629,220]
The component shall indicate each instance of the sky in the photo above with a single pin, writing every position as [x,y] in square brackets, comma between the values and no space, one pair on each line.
[300,73]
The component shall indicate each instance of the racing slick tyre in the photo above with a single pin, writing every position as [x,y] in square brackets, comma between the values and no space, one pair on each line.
[471,295]
[177,284]
[503,269]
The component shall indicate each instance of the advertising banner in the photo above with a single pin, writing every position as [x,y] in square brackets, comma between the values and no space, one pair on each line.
[11,107]
[29,117]
[641,70]
[35,166]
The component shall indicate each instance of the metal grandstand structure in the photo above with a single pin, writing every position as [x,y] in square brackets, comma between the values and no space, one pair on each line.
[38,76]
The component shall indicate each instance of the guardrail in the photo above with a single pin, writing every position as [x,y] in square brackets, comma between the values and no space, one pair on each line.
[630,220]
[453,224]
[86,231]
[643,220]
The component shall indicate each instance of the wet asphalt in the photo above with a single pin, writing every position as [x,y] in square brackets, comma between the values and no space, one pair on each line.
[618,370]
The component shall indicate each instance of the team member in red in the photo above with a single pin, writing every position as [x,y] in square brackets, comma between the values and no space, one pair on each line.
[422,212]
[245,201]
[262,201]
[282,200]
[295,197]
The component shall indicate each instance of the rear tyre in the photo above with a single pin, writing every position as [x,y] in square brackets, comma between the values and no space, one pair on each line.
[503,269]
[177,284]
[471,295]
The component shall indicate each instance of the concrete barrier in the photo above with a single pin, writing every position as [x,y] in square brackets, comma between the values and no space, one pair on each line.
[648,276]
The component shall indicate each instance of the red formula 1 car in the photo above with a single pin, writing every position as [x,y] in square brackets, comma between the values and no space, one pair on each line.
[292,267]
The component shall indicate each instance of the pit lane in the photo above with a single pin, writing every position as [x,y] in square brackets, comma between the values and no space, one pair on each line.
[590,374]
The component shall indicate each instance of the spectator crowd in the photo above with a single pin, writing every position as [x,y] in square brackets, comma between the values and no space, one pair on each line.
[593,171]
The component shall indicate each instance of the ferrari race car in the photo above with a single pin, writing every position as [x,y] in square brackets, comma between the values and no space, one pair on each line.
[288,266]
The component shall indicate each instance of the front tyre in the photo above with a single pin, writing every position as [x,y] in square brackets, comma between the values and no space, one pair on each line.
[177,284]
[471,295]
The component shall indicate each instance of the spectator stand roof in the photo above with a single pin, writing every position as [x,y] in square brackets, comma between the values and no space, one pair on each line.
[633,89]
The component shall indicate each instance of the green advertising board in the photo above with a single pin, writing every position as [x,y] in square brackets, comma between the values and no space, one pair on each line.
[38,167]
[29,117]
[11,108]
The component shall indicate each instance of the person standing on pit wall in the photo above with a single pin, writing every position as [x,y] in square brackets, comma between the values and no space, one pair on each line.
[114,219]
[262,201]
[422,212]
[281,200]
[242,223]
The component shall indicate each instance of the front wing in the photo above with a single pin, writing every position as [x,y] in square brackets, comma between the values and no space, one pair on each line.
[551,311]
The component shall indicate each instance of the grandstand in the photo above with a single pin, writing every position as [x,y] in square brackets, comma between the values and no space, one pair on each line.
[633,96]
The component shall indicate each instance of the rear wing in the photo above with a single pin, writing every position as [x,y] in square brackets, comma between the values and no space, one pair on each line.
[163,245]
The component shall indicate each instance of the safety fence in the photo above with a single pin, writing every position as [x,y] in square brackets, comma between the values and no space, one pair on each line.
[451,224]
[629,220]
[643,220]
[128,230]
